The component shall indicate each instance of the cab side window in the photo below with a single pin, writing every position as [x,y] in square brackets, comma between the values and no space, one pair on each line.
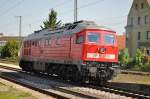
[80,39]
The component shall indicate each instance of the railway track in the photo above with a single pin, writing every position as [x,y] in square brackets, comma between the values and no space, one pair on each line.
[135,72]
[56,92]
[84,88]
[123,91]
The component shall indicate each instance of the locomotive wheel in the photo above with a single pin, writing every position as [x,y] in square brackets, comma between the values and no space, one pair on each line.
[68,74]
[27,66]
[36,72]
[76,76]
[92,80]
[64,73]
[49,71]
[102,82]
[23,69]
[22,65]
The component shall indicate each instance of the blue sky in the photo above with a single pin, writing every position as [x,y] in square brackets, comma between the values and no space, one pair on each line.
[109,13]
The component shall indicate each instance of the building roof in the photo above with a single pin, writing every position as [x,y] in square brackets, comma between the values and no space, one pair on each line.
[121,39]
[8,38]
[148,2]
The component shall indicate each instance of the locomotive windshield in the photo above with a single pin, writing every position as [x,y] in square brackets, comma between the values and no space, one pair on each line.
[109,39]
[93,37]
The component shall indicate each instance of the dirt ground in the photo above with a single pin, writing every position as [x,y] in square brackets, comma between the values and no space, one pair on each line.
[130,78]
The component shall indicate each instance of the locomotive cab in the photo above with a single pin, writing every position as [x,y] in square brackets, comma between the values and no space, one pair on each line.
[100,54]
[100,46]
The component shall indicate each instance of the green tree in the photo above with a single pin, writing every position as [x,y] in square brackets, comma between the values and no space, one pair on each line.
[124,57]
[52,21]
[10,49]
[139,59]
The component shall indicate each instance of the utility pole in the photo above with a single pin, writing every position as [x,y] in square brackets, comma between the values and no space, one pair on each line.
[75,10]
[20,28]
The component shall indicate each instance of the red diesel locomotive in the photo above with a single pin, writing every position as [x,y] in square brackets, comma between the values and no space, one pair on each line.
[78,51]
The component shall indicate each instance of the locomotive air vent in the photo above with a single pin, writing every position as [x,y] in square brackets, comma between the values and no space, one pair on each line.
[68,24]
[84,22]
[78,22]
[72,27]
[37,31]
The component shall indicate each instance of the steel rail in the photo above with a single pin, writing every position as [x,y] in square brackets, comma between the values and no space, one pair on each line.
[122,91]
[107,88]
[34,88]
[135,72]
[67,91]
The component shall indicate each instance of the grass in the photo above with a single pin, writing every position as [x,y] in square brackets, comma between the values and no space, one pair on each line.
[1,84]
[9,61]
[129,78]
[8,92]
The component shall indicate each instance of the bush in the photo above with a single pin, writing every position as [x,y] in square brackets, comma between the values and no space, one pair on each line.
[130,64]
[124,57]
[141,62]
[139,59]
[10,49]
[145,68]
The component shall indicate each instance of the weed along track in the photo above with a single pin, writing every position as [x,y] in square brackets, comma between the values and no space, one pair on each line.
[57,88]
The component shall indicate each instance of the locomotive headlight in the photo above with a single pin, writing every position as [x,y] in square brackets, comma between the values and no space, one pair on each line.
[102,50]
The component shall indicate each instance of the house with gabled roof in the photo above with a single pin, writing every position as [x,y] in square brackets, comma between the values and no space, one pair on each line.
[5,39]
[138,27]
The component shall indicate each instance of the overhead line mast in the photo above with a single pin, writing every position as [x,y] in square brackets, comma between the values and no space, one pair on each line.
[20,27]
[75,10]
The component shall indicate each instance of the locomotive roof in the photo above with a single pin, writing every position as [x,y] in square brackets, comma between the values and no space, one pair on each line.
[67,29]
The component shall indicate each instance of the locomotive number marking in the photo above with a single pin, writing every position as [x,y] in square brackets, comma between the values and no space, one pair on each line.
[97,55]
[93,55]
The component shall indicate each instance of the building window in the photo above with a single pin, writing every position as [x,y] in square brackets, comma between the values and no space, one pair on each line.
[148,35]
[146,19]
[139,35]
[148,51]
[127,36]
[136,6]
[139,20]
[142,5]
